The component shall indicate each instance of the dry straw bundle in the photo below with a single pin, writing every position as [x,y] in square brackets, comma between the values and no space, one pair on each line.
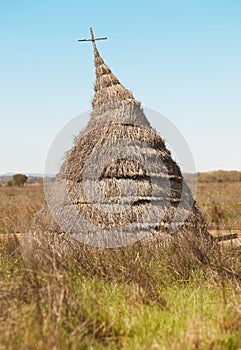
[160,203]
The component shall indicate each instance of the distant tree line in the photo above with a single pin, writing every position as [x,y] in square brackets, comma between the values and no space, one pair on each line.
[220,176]
[214,176]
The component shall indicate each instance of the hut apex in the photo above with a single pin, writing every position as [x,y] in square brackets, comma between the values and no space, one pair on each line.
[108,89]
[93,39]
[118,184]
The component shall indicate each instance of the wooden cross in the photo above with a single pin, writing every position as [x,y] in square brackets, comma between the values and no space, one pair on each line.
[93,39]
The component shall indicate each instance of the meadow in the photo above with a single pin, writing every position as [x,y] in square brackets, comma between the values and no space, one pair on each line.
[186,296]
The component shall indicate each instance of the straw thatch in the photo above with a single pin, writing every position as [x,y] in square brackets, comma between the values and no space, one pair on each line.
[117,149]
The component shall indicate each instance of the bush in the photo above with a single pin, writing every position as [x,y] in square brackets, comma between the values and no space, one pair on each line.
[11,183]
[19,179]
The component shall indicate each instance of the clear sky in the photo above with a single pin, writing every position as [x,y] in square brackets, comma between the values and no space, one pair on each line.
[179,57]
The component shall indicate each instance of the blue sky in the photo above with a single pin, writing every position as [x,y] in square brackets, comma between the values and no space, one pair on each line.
[181,58]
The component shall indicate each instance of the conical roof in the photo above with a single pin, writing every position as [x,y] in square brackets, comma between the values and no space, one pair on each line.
[112,102]
[108,89]
[118,184]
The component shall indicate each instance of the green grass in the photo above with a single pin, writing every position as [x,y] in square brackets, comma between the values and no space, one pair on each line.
[129,299]
[183,297]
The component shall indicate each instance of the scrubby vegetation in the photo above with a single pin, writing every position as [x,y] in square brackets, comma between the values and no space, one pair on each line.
[183,297]
[186,296]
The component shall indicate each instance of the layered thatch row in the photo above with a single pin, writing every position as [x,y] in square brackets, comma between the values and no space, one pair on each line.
[118,183]
[126,112]
[108,89]
[140,144]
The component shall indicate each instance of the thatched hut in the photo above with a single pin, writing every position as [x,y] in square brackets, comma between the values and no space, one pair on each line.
[118,184]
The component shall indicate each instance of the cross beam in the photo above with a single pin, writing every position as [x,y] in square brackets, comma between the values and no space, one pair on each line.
[93,39]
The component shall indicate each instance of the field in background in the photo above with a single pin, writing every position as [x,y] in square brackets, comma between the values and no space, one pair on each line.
[18,206]
[220,203]
[184,297]
[218,197]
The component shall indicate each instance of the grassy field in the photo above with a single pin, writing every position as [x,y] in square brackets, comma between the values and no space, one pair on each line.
[18,206]
[220,203]
[184,297]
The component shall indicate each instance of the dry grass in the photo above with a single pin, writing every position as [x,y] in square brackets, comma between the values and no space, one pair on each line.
[183,297]
[220,203]
[18,206]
